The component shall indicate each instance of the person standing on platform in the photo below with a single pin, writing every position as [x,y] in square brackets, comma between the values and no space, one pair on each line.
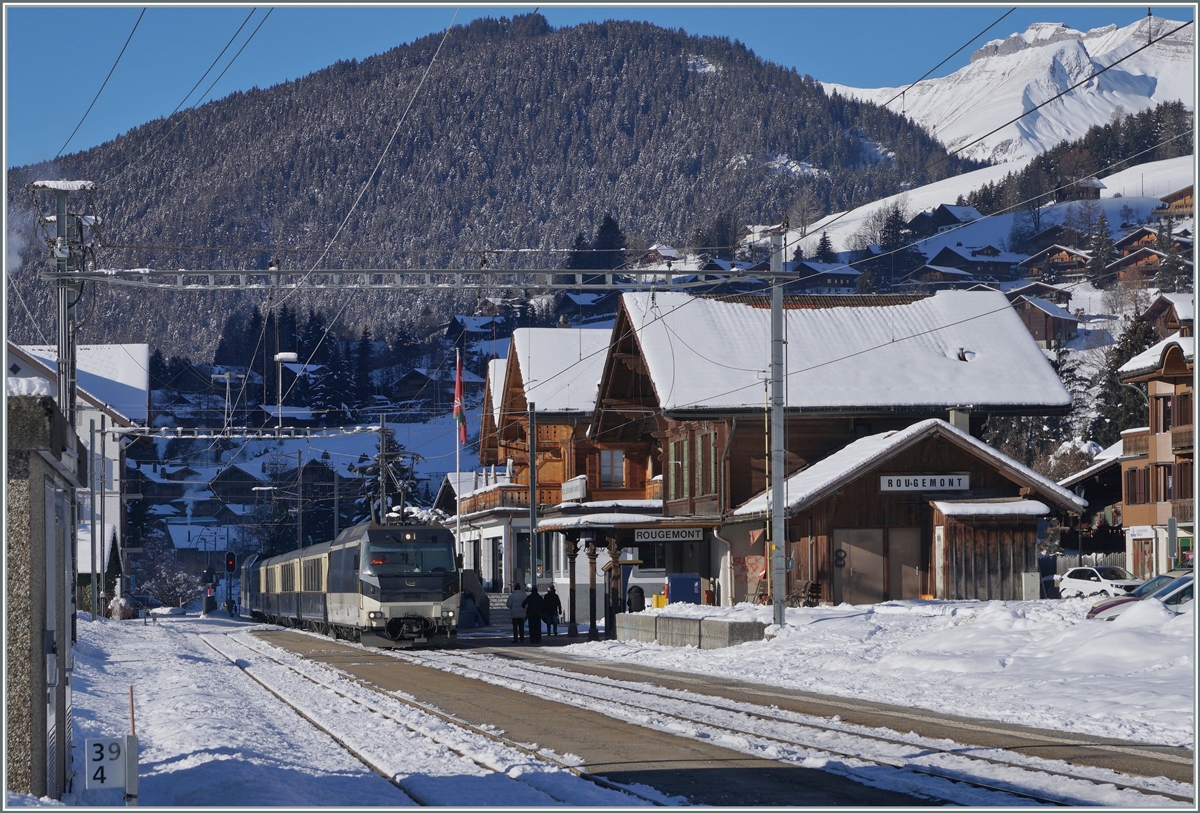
[553,609]
[516,604]
[536,607]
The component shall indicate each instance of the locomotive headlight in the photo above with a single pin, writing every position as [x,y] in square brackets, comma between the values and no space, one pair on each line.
[447,613]
[374,614]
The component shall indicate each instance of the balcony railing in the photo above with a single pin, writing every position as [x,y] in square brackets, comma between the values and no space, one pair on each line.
[510,496]
[1135,445]
[1183,510]
[1181,438]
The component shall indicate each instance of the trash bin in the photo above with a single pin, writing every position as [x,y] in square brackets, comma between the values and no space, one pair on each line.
[636,599]
[210,605]
[683,587]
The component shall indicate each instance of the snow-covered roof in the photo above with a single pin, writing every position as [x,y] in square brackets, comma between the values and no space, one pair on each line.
[295,413]
[992,508]
[963,213]
[664,250]
[710,355]
[83,543]
[1151,358]
[116,374]
[202,537]
[613,520]
[496,369]
[1108,457]
[1185,305]
[1049,308]
[811,484]
[560,367]
[631,505]
[305,369]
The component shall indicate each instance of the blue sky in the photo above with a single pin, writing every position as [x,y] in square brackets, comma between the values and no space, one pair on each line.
[174,46]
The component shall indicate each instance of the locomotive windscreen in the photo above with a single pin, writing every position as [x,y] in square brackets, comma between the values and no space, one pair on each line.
[386,555]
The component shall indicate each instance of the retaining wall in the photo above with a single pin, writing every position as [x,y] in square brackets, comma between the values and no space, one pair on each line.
[702,633]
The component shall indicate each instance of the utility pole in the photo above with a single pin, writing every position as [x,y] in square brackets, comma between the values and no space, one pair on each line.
[778,464]
[95,542]
[532,496]
[382,465]
[299,499]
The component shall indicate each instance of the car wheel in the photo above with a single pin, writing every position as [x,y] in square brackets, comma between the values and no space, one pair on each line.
[1105,594]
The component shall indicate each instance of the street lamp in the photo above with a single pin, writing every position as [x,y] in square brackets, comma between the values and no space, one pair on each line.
[280,360]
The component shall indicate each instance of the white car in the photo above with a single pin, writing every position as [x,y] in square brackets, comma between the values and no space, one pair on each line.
[1096,581]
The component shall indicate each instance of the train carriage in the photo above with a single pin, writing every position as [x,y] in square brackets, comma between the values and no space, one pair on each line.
[393,586]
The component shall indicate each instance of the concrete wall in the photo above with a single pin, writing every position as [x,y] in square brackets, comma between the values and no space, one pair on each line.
[702,633]
[44,469]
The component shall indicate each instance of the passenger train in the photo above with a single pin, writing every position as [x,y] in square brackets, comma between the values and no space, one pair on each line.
[394,586]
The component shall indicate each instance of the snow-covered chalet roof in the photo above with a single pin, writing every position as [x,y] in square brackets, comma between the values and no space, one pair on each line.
[992,508]
[810,485]
[495,377]
[1049,308]
[118,375]
[1108,457]
[560,367]
[1151,358]
[706,354]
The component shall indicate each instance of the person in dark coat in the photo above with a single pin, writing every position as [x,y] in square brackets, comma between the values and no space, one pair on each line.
[552,609]
[516,603]
[534,607]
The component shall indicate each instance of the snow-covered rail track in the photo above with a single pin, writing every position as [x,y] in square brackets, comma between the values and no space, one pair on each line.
[413,745]
[803,739]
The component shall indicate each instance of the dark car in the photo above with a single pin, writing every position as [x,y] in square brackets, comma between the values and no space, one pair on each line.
[139,603]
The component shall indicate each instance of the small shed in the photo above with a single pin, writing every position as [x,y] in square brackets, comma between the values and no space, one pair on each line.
[1050,325]
[924,511]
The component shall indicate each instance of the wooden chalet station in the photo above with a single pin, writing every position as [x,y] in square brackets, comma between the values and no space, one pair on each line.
[663,464]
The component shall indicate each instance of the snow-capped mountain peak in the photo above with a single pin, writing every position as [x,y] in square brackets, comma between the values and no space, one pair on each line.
[1009,76]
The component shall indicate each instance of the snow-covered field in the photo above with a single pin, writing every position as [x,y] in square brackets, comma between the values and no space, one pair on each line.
[209,735]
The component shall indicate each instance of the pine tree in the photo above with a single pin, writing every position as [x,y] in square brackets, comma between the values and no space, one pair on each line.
[1101,249]
[1118,407]
[362,370]
[579,256]
[825,252]
[608,246]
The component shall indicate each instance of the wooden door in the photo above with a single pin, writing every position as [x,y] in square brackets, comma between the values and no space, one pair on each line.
[904,563]
[858,565]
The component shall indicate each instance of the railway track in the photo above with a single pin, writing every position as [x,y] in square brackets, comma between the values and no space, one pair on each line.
[390,724]
[787,736]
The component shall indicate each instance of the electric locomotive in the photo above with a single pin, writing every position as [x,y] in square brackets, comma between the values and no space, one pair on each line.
[394,586]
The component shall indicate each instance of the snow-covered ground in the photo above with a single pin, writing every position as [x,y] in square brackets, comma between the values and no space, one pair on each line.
[209,735]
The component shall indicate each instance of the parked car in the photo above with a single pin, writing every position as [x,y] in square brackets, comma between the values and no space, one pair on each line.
[143,602]
[1173,595]
[1146,588]
[1097,581]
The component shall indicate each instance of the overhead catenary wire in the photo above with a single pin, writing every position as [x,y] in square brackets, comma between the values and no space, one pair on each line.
[102,84]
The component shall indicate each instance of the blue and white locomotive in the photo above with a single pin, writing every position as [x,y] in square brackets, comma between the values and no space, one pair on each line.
[394,586]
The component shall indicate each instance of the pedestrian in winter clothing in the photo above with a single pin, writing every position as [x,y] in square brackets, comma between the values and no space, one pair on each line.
[516,604]
[534,604]
[552,608]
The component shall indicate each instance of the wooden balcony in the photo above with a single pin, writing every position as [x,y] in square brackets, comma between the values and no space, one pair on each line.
[1181,438]
[510,495]
[1183,510]
[1135,444]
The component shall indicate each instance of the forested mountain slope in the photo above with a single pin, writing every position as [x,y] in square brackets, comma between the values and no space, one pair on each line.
[523,136]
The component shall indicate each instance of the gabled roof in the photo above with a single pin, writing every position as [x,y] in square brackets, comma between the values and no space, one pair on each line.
[1153,357]
[1105,459]
[709,355]
[1049,308]
[1055,249]
[806,487]
[1134,236]
[1036,286]
[559,368]
[1143,253]
[111,377]
[1183,304]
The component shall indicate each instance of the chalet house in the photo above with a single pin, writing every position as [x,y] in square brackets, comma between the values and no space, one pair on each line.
[1139,238]
[555,370]
[1179,203]
[979,260]
[683,379]
[823,278]
[1058,294]
[1172,313]
[433,386]
[1141,265]
[1056,234]
[658,254]
[1099,529]
[943,218]
[468,328]
[1083,189]
[1050,325]
[1157,461]
[938,277]
[1055,262]
[584,307]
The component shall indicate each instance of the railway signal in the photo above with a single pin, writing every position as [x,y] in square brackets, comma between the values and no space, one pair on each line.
[230,561]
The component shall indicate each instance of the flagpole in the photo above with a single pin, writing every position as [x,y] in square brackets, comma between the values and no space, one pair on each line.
[462,549]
